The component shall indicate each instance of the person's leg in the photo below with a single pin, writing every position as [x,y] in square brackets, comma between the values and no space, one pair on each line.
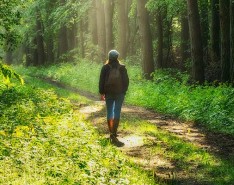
[110,112]
[117,110]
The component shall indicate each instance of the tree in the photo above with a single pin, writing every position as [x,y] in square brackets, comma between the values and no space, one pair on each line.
[101,30]
[215,32]
[204,10]
[122,27]
[184,45]
[109,11]
[10,18]
[196,41]
[225,40]
[93,23]
[39,39]
[159,60]
[232,40]
[146,39]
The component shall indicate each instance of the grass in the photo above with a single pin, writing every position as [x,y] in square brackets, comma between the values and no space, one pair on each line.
[44,141]
[168,93]
[77,150]
[188,162]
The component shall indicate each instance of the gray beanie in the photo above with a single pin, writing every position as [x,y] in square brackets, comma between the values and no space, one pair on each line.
[113,54]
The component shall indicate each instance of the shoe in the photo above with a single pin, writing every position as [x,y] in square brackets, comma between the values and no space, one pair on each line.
[114,140]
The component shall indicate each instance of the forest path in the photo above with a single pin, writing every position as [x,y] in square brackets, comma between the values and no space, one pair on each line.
[136,132]
[140,146]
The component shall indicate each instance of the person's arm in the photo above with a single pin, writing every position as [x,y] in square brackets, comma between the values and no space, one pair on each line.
[125,79]
[102,81]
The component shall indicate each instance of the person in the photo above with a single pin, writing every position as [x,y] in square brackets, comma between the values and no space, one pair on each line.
[113,85]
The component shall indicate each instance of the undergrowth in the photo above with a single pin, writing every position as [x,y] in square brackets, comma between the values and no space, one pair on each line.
[168,93]
[43,141]
[184,162]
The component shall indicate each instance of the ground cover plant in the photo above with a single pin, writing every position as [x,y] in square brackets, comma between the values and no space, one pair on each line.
[186,162]
[44,141]
[168,92]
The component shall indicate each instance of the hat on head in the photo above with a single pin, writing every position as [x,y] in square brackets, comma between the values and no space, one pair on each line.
[113,54]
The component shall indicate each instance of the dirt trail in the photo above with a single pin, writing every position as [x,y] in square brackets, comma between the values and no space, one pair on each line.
[142,153]
[135,147]
[216,143]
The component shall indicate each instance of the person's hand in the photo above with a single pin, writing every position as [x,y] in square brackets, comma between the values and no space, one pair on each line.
[102,97]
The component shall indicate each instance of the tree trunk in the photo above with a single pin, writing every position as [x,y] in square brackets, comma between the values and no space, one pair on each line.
[39,39]
[232,40]
[81,41]
[146,38]
[167,44]
[204,10]
[72,36]
[50,49]
[122,27]
[9,57]
[93,23]
[35,53]
[109,11]
[184,45]
[101,30]
[62,39]
[196,42]
[225,40]
[215,32]
[159,61]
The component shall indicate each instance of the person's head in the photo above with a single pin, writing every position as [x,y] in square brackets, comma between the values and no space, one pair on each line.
[113,55]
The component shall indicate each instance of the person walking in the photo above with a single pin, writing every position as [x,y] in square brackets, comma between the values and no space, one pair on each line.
[113,85]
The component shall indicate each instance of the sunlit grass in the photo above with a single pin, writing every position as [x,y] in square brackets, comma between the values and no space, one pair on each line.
[43,141]
[38,83]
[185,157]
[174,98]
[168,93]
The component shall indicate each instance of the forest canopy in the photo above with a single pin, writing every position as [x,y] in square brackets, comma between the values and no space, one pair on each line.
[192,36]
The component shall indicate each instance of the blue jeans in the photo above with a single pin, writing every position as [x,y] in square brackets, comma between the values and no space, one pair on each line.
[113,105]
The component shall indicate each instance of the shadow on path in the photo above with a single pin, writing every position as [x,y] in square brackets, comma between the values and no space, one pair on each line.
[165,170]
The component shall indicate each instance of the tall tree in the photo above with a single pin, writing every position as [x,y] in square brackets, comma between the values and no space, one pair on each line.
[62,38]
[204,10]
[167,36]
[159,60]
[81,38]
[122,26]
[101,30]
[39,39]
[184,45]
[215,32]
[225,39]
[109,12]
[49,31]
[196,41]
[232,40]
[146,38]
[93,23]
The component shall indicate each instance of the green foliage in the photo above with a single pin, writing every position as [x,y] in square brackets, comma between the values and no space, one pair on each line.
[10,17]
[7,74]
[43,141]
[185,155]
[208,105]
[169,93]
[173,7]
[69,13]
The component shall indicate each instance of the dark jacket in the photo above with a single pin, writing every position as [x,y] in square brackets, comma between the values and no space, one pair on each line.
[105,71]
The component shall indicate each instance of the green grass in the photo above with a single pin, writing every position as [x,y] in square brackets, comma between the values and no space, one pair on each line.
[188,161]
[211,106]
[44,141]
